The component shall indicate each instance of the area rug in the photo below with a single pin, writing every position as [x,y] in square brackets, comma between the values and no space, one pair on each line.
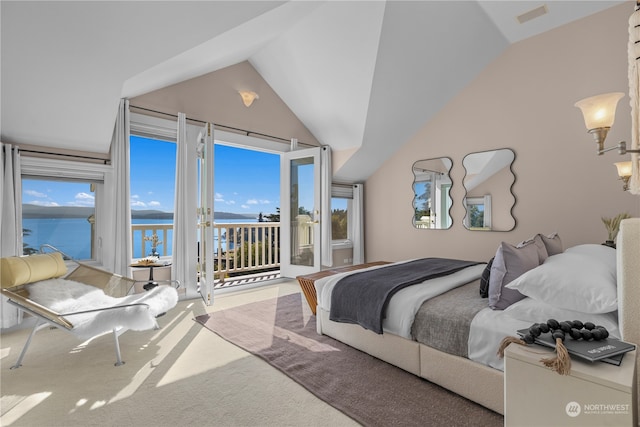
[282,331]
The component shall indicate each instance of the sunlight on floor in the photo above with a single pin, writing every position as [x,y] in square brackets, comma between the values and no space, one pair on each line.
[221,352]
[4,352]
[165,340]
[14,407]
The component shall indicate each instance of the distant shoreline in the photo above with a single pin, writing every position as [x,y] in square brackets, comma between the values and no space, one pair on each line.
[35,212]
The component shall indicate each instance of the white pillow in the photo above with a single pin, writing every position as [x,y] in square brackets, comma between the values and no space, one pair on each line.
[601,252]
[582,279]
[534,311]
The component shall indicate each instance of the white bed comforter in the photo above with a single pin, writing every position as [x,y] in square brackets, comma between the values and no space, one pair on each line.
[405,303]
[488,327]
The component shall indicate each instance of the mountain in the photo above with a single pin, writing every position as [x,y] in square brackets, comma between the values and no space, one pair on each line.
[36,211]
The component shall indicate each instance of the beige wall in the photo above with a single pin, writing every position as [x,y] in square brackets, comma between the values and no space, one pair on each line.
[523,101]
[214,97]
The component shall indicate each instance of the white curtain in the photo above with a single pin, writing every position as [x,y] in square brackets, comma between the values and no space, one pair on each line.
[358,223]
[184,250]
[326,251]
[10,220]
[634,94]
[121,210]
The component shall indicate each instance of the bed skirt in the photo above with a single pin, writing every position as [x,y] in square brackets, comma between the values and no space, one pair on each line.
[476,382]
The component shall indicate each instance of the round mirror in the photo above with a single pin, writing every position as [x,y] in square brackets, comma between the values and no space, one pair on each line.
[431,198]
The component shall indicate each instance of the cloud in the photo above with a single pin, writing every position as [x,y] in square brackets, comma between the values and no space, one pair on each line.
[154,203]
[43,203]
[138,204]
[135,196]
[218,197]
[244,206]
[85,196]
[257,202]
[34,193]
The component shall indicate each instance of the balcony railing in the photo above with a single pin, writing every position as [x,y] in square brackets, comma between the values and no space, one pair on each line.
[240,249]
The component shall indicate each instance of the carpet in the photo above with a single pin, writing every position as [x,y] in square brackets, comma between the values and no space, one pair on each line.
[282,331]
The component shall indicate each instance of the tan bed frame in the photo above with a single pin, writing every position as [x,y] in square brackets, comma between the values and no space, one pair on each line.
[472,380]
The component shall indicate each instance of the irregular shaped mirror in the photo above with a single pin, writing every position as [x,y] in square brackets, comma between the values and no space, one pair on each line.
[431,186]
[488,181]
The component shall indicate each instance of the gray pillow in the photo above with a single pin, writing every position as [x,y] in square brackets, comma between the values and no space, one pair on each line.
[509,263]
[553,243]
[540,246]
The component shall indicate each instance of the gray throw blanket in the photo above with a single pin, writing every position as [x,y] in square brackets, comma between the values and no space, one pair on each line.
[362,297]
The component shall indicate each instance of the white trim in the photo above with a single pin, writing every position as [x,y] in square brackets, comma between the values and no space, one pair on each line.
[341,244]
[52,168]
[153,127]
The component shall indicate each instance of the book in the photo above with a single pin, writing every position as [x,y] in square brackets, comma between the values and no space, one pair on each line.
[609,350]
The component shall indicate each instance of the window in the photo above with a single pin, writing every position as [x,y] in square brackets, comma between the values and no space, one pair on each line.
[341,214]
[152,171]
[478,213]
[339,218]
[60,213]
[60,201]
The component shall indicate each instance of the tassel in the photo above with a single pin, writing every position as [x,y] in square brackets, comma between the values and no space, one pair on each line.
[562,362]
[505,343]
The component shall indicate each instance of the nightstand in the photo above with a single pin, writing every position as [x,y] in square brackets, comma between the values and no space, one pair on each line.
[593,394]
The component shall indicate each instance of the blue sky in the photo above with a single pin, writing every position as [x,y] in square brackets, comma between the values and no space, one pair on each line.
[246,181]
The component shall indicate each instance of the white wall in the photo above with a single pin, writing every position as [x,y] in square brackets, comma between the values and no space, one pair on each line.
[525,101]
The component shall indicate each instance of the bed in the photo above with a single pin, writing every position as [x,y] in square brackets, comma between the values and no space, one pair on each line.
[598,284]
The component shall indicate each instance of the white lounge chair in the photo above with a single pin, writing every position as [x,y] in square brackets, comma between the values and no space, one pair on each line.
[86,302]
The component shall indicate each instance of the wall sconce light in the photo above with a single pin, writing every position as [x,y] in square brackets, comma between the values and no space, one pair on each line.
[624,172]
[248,97]
[599,113]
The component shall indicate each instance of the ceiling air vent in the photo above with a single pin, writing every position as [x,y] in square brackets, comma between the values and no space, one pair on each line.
[532,14]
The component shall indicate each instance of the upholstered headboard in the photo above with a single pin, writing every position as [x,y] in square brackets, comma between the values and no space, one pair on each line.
[628,267]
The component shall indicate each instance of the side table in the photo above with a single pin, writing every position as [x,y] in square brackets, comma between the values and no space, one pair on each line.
[151,282]
[307,281]
[593,394]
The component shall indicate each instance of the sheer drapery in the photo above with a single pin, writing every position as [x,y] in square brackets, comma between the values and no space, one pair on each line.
[184,250]
[634,95]
[326,251]
[357,224]
[121,208]
[10,220]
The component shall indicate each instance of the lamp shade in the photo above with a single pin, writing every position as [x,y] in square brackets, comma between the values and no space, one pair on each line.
[248,97]
[624,168]
[599,111]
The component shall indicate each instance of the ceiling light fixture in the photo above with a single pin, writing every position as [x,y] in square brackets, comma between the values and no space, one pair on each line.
[248,97]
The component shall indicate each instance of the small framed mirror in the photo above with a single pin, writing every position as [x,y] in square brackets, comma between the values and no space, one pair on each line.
[488,182]
[431,193]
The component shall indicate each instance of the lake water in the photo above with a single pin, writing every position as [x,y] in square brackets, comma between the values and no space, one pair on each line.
[73,235]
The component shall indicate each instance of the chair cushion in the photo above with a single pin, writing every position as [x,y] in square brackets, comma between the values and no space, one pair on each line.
[16,271]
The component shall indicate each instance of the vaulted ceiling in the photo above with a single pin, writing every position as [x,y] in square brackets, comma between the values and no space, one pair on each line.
[361,76]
